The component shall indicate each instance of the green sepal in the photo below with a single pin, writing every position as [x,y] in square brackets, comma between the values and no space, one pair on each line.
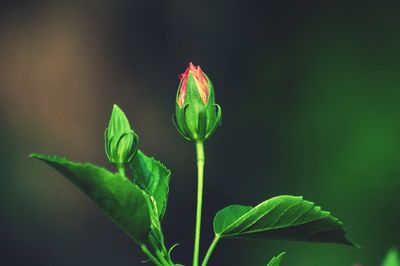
[210,106]
[175,123]
[276,261]
[107,144]
[120,199]
[171,248]
[201,124]
[120,141]
[217,122]
[192,109]
[181,118]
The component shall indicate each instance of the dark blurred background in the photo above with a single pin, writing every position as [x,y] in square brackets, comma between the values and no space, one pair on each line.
[310,95]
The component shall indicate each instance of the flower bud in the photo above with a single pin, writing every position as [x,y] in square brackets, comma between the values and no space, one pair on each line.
[197,116]
[121,142]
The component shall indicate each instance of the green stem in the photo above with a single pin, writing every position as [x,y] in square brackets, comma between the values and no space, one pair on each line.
[121,169]
[160,255]
[200,172]
[151,256]
[210,250]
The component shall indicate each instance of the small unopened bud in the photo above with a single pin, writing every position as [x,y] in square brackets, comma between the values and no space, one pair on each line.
[197,115]
[121,142]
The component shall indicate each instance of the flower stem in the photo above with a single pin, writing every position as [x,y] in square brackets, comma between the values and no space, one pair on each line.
[200,172]
[121,169]
[210,250]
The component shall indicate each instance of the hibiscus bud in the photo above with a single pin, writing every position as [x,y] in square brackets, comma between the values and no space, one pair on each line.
[121,142]
[197,116]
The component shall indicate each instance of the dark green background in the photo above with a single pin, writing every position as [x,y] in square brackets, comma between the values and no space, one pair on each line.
[310,96]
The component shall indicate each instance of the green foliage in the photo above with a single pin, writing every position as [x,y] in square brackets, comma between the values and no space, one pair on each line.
[124,202]
[137,206]
[276,261]
[153,177]
[228,216]
[392,258]
[282,217]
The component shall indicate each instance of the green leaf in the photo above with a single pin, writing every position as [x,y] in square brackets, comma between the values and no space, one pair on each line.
[392,258]
[123,201]
[228,216]
[282,217]
[153,177]
[276,261]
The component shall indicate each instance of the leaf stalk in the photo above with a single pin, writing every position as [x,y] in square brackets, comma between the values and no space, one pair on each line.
[151,256]
[210,250]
